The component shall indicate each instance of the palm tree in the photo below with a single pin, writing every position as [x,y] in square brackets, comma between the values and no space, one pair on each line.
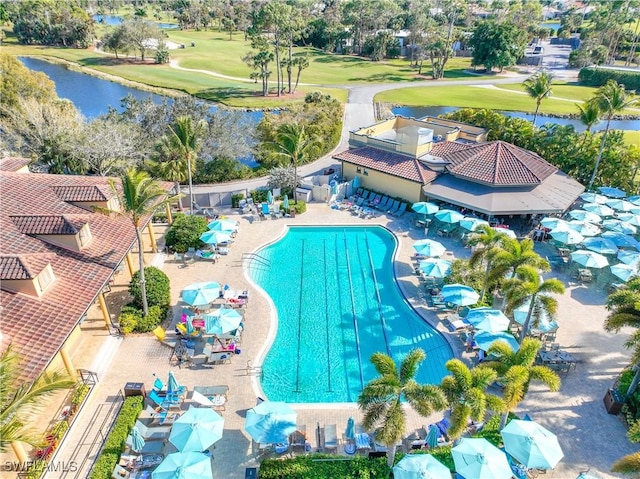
[294,144]
[527,287]
[624,307]
[183,140]
[465,390]
[589,114]
[629,464]
[538,87]
[168,165]
[381,399]
[19,400]
[611,99]
[488,242]
[139,198]
[516,370]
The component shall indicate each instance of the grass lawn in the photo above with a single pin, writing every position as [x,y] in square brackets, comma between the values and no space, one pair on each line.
[632,137]
[571,91]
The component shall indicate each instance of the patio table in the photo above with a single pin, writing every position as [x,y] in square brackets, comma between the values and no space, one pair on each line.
[558,356]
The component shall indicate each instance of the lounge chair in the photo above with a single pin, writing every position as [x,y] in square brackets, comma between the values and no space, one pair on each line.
[330,442]
[393,207]
[360,201]
[161,334]
[401,210]
[382,204]
[150,447]
[158,433]
[298,439]
[165,402]
[207,256]
[375,200]
[363,441]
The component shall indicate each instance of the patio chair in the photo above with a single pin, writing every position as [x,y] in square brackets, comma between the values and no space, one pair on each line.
[157,433]
[207,256]
[298,439]
[383,203]
[164,402]
[393,207]
[330,439]
[375,200]
[401,210]
[150,447]
[161,334]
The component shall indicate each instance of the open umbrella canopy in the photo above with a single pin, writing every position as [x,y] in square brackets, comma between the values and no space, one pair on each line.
[612,192]
[621,240]
[532,445]
[137,441]
[435,267]
[567,236]
[428,247]
[485,339]
[600,245]
[197,429]
[553,223]
[200,294]
[184,465]
[459,294]
[486,319]
[223,226]
[420,466]
[545,323]
[470,223]
[624,271]
[425,208]
[635,199]
[619,226]
[589,259]
[506,231]
[600,210]
[584,215]
[584,228]
[593,198]
[631,218]
[222,321]
[449,216]
[285,202]
[270,422]
[476,458]
[215,237]
[629,257]
[621,205]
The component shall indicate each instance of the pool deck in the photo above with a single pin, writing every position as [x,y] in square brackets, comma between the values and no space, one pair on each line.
[589,436]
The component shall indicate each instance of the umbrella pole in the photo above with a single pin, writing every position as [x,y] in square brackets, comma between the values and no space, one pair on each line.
[318,437]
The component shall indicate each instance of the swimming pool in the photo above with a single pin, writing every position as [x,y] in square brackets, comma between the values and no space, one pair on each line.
[337,303]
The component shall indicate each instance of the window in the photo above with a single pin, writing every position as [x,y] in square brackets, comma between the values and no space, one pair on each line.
[358,170]
[45,278]
[84,235]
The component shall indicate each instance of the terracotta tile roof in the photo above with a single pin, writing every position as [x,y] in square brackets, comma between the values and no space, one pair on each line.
[23,266]
[499,163]
[13,164]
[442,148]
[387,162]
[83,193]
[47,224]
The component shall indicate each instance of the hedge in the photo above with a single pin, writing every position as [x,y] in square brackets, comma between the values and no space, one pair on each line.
[593,76]
[114,444]
[185,232]
[158,288]
[328,467]
[131,319]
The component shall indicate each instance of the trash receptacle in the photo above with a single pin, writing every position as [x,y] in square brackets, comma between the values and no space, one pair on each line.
[134,389]
[292,212]
[613,401]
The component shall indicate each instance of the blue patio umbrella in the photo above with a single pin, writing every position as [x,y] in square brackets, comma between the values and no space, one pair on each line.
[485,339]
[196,430]
[269,197]
[350,431]
[620,205]
[600,245]
[545,323]
[285,202]
[215,237]
[612,192]
[593,198]
[355,183]
[420,466]
[600,210]
[589,259]
[428,247]
[567,237]
[137,441]
[584,228]
[532,445]
[270,422]
[486,319]
[432,436]
[629,257]
[634,199]
[631,218]
[619,226]
[476,458]
[222,321]
[470,223]
[449,216]
[459,294]
[224,226]
[624,271]
[584,215]
[435,267]
[553,223]
[621,240]
[200,294]
[184,465]
[425,208]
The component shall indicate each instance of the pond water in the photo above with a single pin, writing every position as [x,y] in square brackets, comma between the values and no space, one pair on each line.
[421,112]
[116,20]
[555,25]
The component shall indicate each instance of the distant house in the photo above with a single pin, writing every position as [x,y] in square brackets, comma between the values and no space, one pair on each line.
[452,162]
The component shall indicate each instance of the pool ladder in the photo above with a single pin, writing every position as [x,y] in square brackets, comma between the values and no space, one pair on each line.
[251,257]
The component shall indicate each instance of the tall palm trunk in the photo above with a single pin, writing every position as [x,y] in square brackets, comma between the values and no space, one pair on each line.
[190,184]
[634,383]
[527,322]
[176,185]
[143,285]
[535,115]
[599,157]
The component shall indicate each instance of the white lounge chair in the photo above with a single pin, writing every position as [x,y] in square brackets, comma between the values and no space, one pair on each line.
[330,437]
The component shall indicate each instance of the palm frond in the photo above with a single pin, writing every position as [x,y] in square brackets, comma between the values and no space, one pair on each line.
[410,364]
[460,372]
[483,377]
[425,398]
[384,364]
[628,464]
[546,376]
[460,415]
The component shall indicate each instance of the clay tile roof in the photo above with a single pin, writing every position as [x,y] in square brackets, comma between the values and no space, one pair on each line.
[387,162]
[47,224]
[442,148]
[83,193]
[500,164]
[13,164]
[23,266]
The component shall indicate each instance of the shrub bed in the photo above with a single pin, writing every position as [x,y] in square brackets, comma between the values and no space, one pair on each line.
[158,288]
[322,466]
[185,232]
[593,76]
[114,444]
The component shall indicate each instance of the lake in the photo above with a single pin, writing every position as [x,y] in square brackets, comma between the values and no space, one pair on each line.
[114,20]
[421,112]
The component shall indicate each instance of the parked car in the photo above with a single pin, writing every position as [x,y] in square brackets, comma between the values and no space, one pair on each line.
[538,50]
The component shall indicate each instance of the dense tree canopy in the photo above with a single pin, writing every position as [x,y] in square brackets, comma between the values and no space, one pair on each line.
[497,45]
[18,82]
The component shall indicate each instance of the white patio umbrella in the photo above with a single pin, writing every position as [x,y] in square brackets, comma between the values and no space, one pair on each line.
[600,210]
[593,198]
[532,445]
[600,245]
[631,218]
[584,215]
[584,228]
[589,259]
[554,223]
[620,205]
[619,226]
[629,257]
[567,237]
[624,271]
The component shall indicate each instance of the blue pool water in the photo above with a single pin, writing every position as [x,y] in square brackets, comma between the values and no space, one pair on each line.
[337,303]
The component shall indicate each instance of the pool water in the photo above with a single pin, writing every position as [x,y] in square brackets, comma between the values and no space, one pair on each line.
[337,303]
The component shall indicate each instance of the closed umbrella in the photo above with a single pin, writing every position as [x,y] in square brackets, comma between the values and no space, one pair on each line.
[593,198]
[184,465]
[624,271]
[269,197]
[449,216]
[553,223]
[486,319]
[567,237]
[200,294]
[619,226]
[600,245]
[485,339]
[197,429]
[334,187]
[215,237]
[631,218]
[432,436]
[420,466]
[427,247]
[270,422]
[355,183]
[173,388]
[476,458]
[470,223]
[436,268]
[532,445]
[223,226]
[600,210]
[285,202]
[589,259]
[222,321]
[350,431]
[584,215]
[459,295]
[545,323]
[136,440]
[425,208]
[584,228]
[620,205]
[612,192]
[629,257]
[622,240]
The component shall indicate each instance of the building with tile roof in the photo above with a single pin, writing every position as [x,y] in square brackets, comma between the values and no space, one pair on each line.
[452,162]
